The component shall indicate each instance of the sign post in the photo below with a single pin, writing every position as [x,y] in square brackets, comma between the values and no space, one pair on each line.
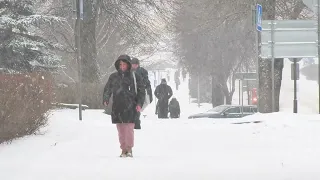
[81,9]
[295,78]
[272,68]
[258,24]
[259,17]
[78,41]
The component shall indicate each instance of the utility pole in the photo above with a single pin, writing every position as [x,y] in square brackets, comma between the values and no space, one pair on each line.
[272,67]
[255,14]
[79,7]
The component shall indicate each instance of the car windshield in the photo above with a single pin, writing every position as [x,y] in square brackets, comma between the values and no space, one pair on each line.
[218,109]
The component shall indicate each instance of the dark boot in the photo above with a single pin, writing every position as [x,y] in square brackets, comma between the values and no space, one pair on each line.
[129,153]
[123,154]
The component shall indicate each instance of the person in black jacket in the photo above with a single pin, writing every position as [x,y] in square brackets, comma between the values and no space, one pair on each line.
[127,101]
[174,108]
[163,93]
[145,79]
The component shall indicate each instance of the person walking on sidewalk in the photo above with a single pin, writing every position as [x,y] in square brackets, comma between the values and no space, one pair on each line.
[128,92]
[163,93]
[145,79]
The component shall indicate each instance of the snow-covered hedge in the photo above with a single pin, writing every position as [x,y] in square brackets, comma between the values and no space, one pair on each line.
[25,101]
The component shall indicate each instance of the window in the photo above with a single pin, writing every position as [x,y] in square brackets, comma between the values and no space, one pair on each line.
[254,109]
[247,109]
[218,109]
[233,110]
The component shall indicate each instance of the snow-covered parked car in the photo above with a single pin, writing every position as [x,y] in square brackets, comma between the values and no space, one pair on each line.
[227,111]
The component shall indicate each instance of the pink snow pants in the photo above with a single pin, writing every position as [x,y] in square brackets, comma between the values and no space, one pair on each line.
[126,135]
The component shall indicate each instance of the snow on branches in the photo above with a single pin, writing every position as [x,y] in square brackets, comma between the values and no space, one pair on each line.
[22,47]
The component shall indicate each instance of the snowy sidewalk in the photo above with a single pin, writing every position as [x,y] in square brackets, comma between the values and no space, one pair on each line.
[165,150]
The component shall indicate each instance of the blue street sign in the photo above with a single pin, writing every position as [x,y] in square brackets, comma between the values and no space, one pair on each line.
[81,9]
[259,17]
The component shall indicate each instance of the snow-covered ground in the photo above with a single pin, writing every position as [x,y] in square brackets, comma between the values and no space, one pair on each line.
[284,146]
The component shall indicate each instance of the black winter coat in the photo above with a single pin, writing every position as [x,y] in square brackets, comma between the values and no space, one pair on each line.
[144,75]
[121,86]
[163,92]
[145,79]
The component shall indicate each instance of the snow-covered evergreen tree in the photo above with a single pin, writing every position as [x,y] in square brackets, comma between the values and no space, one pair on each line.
[22,48]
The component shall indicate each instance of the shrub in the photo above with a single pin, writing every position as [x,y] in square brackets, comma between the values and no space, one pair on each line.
[25,101]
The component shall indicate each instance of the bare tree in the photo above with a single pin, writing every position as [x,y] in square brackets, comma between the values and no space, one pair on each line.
[220,34]
[109,28]
[215,39]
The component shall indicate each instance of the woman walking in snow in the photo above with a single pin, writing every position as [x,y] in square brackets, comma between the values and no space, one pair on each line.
[163,92]
[128,93]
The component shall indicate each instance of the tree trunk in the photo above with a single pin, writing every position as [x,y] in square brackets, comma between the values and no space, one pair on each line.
[228,95]
[278,68]
[205,87]
[265,76]
[265,86]
[193,90]
[233,89]
[90,69]
[217,92]
[229,99]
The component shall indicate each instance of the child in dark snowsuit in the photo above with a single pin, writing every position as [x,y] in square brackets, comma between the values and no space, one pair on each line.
[174,108]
